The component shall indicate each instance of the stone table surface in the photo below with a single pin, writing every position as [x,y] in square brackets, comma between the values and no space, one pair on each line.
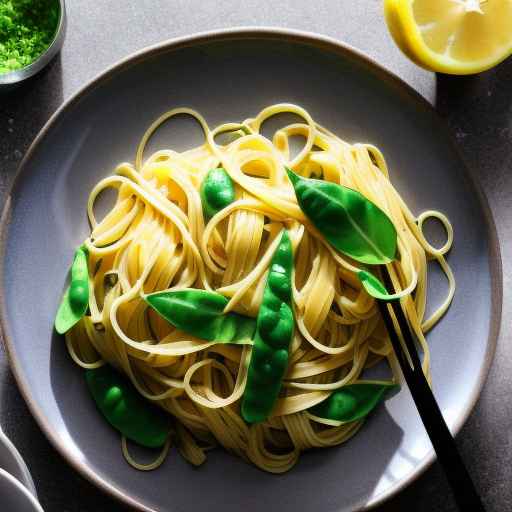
[478,110]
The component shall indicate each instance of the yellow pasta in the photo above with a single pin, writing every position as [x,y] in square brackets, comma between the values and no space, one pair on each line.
[155,237]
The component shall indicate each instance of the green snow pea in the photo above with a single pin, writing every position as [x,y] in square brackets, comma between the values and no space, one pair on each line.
[76,298]
[351,223]
[353,402]
[200,313]
[274,331]
[125,409]
[217,191]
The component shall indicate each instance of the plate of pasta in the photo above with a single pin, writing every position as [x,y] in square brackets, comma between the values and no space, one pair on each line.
[191,263]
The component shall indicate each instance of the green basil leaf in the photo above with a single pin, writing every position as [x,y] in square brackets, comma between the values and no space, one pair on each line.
[200,313]
[351,223]
[126,410]
[353,402]
[76,298]
[374,287]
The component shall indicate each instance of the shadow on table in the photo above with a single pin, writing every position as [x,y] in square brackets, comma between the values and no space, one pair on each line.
[23,112]
[478,109]
[44,90]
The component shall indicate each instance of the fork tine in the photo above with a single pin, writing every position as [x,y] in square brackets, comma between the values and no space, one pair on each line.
[407,333]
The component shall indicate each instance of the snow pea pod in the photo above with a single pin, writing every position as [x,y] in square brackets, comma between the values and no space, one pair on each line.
[274,331]
[200,313]
[353,402]
[351,223]
[125,409]
[217,191]
[76,298]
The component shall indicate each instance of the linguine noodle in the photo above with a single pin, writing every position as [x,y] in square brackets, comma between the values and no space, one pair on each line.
[155,238]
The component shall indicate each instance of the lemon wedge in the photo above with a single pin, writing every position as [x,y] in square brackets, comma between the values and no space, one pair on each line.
[458,37]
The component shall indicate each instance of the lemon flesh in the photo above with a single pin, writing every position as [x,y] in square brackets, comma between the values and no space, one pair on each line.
[452,36]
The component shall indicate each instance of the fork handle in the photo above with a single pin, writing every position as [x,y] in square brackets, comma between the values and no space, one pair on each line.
[440,436]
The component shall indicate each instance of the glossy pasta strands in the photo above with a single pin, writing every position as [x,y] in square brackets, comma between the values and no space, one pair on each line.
[170,230]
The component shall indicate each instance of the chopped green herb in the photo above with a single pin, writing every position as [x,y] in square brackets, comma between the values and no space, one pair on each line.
[27,28]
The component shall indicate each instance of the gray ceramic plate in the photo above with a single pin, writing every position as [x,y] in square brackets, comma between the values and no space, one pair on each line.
[229,76]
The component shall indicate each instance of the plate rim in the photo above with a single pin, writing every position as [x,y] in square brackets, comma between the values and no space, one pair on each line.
[322,42]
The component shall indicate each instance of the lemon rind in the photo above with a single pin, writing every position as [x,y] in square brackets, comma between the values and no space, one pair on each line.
[406,34]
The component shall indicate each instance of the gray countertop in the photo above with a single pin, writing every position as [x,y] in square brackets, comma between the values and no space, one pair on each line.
[478,110]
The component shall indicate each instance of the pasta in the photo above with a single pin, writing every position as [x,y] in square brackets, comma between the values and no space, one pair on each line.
[155,237]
